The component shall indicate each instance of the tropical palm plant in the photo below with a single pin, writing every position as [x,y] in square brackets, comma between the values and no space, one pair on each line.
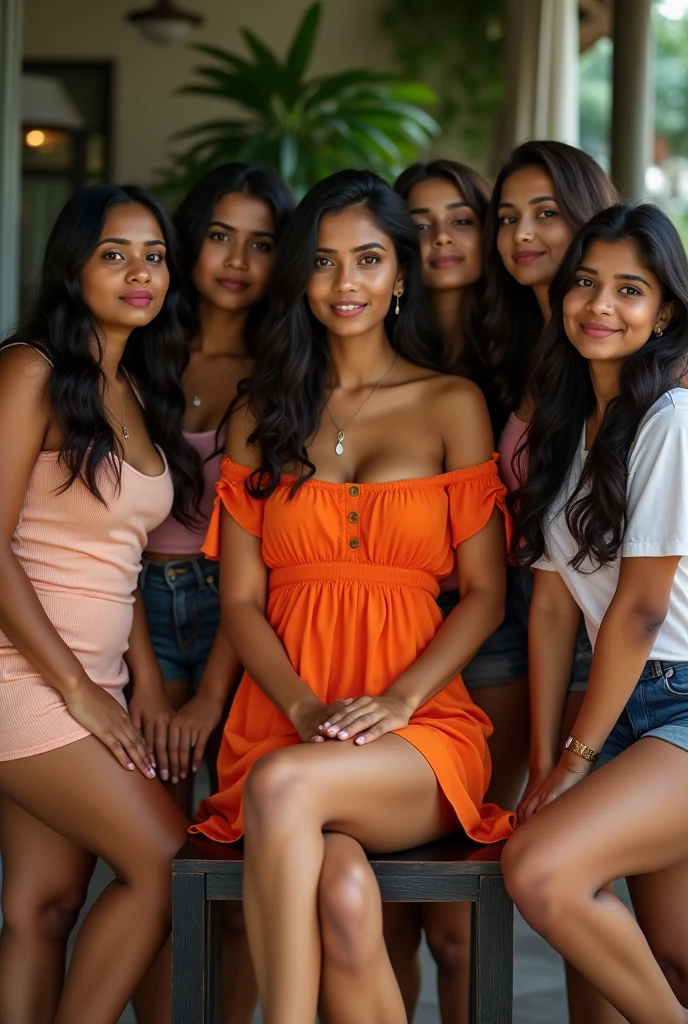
[304,127]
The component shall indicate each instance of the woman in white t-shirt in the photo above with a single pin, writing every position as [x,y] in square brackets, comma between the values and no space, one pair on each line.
[603,518]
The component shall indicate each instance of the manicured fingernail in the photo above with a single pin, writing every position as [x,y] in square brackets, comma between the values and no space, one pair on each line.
[183,775]
[195,768]
[325,725]
[164,775]
[150,773]
[343,734]
[131,766]
[360,739]
[174,779]
[318,739]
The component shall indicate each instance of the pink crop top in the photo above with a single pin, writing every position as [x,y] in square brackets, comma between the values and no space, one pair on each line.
[171,538]
[510,441]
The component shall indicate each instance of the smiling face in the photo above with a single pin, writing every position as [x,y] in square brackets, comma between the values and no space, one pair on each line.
[533,233]
[235,262]
[614,304]
[449,233]
[356,273]
[125,280]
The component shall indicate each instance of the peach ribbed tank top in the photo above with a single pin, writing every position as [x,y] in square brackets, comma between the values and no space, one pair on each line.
[83,559]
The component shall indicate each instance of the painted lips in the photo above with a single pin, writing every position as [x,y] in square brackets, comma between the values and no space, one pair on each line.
[138,298]
[348,309]
[525,256]
[598,330]
[233,284]
[445,262]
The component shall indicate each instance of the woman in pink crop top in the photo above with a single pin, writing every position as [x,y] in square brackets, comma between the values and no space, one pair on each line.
[228,226]
[87,471]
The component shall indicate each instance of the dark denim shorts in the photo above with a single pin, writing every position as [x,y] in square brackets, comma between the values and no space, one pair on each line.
[504,655]
[657,707]
[182,605]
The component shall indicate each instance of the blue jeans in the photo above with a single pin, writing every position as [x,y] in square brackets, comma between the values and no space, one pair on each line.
[504,655]
[657,707]
[182,605]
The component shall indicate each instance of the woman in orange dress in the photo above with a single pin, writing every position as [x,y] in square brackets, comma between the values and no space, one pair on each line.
[356,475]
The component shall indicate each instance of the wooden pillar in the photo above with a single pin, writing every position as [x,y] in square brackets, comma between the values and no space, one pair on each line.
[10,160]
[633,105]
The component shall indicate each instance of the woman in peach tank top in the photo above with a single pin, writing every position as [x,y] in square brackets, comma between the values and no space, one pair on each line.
[357,475]
[87,471]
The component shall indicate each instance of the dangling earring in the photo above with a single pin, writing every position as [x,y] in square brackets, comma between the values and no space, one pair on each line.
[397,309]
[658,332]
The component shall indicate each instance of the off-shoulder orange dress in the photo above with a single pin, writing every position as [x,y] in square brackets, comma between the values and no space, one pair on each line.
[352,596]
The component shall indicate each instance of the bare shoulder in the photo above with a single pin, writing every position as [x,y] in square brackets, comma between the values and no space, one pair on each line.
[21,366]
[460,415]
[240,426]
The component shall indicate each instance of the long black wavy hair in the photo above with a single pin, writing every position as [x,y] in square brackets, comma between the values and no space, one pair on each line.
[475,190]
[195,212]
[564,398]
[61,323]
[513,320]
[287,390]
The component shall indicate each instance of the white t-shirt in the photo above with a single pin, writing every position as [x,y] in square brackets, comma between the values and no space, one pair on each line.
[657,524]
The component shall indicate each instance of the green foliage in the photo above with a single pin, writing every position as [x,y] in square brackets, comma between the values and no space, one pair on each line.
[456,46]
[671,81]
[306,128]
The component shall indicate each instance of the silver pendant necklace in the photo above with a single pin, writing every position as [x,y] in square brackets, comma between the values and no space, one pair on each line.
[339,447]
[196,400]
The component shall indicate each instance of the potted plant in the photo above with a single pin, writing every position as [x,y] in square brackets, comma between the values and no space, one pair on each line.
[305,127]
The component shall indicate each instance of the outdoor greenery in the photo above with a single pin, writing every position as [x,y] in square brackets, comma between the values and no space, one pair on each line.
[457,48]
[304,127]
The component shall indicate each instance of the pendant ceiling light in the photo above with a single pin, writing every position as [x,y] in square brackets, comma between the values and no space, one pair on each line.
[165,23]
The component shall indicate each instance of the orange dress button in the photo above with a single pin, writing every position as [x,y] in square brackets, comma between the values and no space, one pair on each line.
[354,492]
[354,543]
[354,517]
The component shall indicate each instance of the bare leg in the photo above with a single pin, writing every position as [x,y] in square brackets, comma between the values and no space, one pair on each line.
[384,795]
[45,882]
[357,982]
[659,901]
[620,821]
[448,925]
[81,792]
[586,1004]
[403,931]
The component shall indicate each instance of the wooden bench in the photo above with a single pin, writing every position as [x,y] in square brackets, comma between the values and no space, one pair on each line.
[451,870]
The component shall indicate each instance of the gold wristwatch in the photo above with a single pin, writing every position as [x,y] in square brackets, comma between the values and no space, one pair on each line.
[580,748]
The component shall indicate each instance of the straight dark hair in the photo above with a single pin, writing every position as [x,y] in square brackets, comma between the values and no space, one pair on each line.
[475,190]
[513,320]
[61,323]
[286,392]
[596,511]
[195,214]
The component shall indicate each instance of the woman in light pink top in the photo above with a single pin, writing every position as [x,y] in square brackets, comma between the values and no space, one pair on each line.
[92,458]
[543,195]
[228,227]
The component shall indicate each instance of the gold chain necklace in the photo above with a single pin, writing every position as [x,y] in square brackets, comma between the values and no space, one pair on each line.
[339,447]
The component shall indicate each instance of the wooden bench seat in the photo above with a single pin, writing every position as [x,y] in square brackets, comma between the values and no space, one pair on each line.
[450,870]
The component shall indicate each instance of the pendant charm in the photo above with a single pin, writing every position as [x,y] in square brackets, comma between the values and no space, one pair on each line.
[196,400]
[125,432]
[339,447]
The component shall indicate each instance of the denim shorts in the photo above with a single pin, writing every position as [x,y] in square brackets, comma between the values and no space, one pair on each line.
[182,605]
[657,707]
[504,655]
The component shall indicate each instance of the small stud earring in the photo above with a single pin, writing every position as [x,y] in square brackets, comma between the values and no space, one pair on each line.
[658,332]
[397,308]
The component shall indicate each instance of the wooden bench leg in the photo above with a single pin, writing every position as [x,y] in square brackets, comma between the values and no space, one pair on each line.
[189,949]
[493,948]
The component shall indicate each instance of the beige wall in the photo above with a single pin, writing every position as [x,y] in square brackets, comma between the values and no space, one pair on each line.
[145,111]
